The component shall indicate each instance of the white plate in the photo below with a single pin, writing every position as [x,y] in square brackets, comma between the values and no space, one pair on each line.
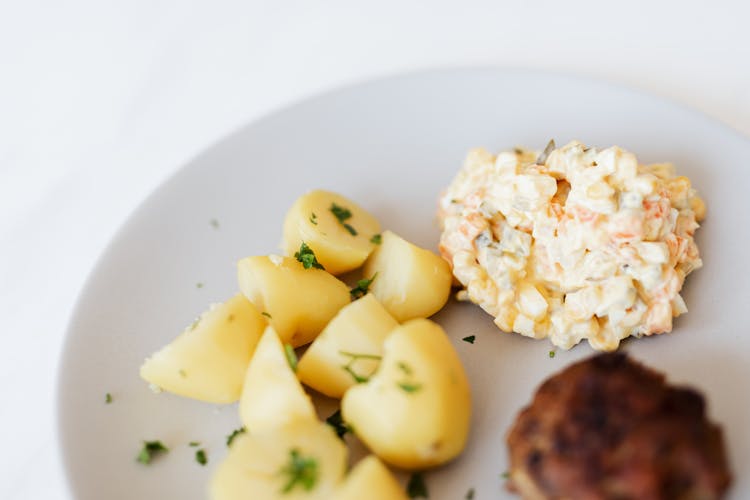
[391,145]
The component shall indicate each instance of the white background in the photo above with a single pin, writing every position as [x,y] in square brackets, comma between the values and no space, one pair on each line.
[100,102]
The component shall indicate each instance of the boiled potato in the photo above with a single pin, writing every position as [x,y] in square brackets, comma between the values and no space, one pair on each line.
[271,395]
[411,282]
[414,412]
[209,359]
[348,348]
[298,302]
[338,230]
[303,460]
[370,480]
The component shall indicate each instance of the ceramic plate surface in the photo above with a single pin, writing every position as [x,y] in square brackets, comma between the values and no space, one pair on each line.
[391,145]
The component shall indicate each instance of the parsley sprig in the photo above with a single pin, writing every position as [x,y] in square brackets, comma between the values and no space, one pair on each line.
[300,470]
[234,434]
[353,358]
[343,214]
[416,488]
[291,357]
[200,456]
[362,287]
[150,450]
[337,422]
[307,257]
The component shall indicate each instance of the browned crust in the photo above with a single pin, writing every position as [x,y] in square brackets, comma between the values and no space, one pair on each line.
[610,428]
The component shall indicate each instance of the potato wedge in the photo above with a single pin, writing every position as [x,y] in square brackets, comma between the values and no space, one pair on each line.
[271,395]
[370,480]
[209,359]
[338,230]
[411,282]
[415,411]
[298,302]
[348,349]
[303,460]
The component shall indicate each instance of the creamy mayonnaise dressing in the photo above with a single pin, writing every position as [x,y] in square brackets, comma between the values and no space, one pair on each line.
[578,244]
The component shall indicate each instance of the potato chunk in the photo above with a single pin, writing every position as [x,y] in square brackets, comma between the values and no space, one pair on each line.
[209,359]
[338,230]
[415,411]
[272,396]
[298,302]
[303,460]
[370,480]
[411,282]
[348,349]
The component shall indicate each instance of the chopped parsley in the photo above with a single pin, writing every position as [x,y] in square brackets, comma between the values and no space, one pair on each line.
[214,223]
[470,494]
[416,487]
[505,475]
[200,456]
[376,239]
[362,287]
[552,354]
[108,398]
[470,339]
[182,373]
[199,285]
[291,356]
[307,257]
[264,313]
[234,434]
[354,357]
[194,443]
[343,214]
[314,219]
[337,422]
[150,450]
[302,471]
[408,387]
[404,368]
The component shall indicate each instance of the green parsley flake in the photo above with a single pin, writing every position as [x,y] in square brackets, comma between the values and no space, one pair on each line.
[362,287]
[505,475]
[194,443]
[214,223]
[199,285]
[376,239]
[194,324]
[407,387]
[307,257]
[353,358]
[314,219]
[416,488]
[343,214]
[264,313]
[291,356]
[108,398]
[338,424]
[150,450]
[552,354]
[404,368]
[470,494]
[182,373]
[470,339]
[234,434]
[200,456]
[302,471]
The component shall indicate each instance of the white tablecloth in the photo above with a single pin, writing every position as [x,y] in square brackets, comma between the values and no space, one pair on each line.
[100,101]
